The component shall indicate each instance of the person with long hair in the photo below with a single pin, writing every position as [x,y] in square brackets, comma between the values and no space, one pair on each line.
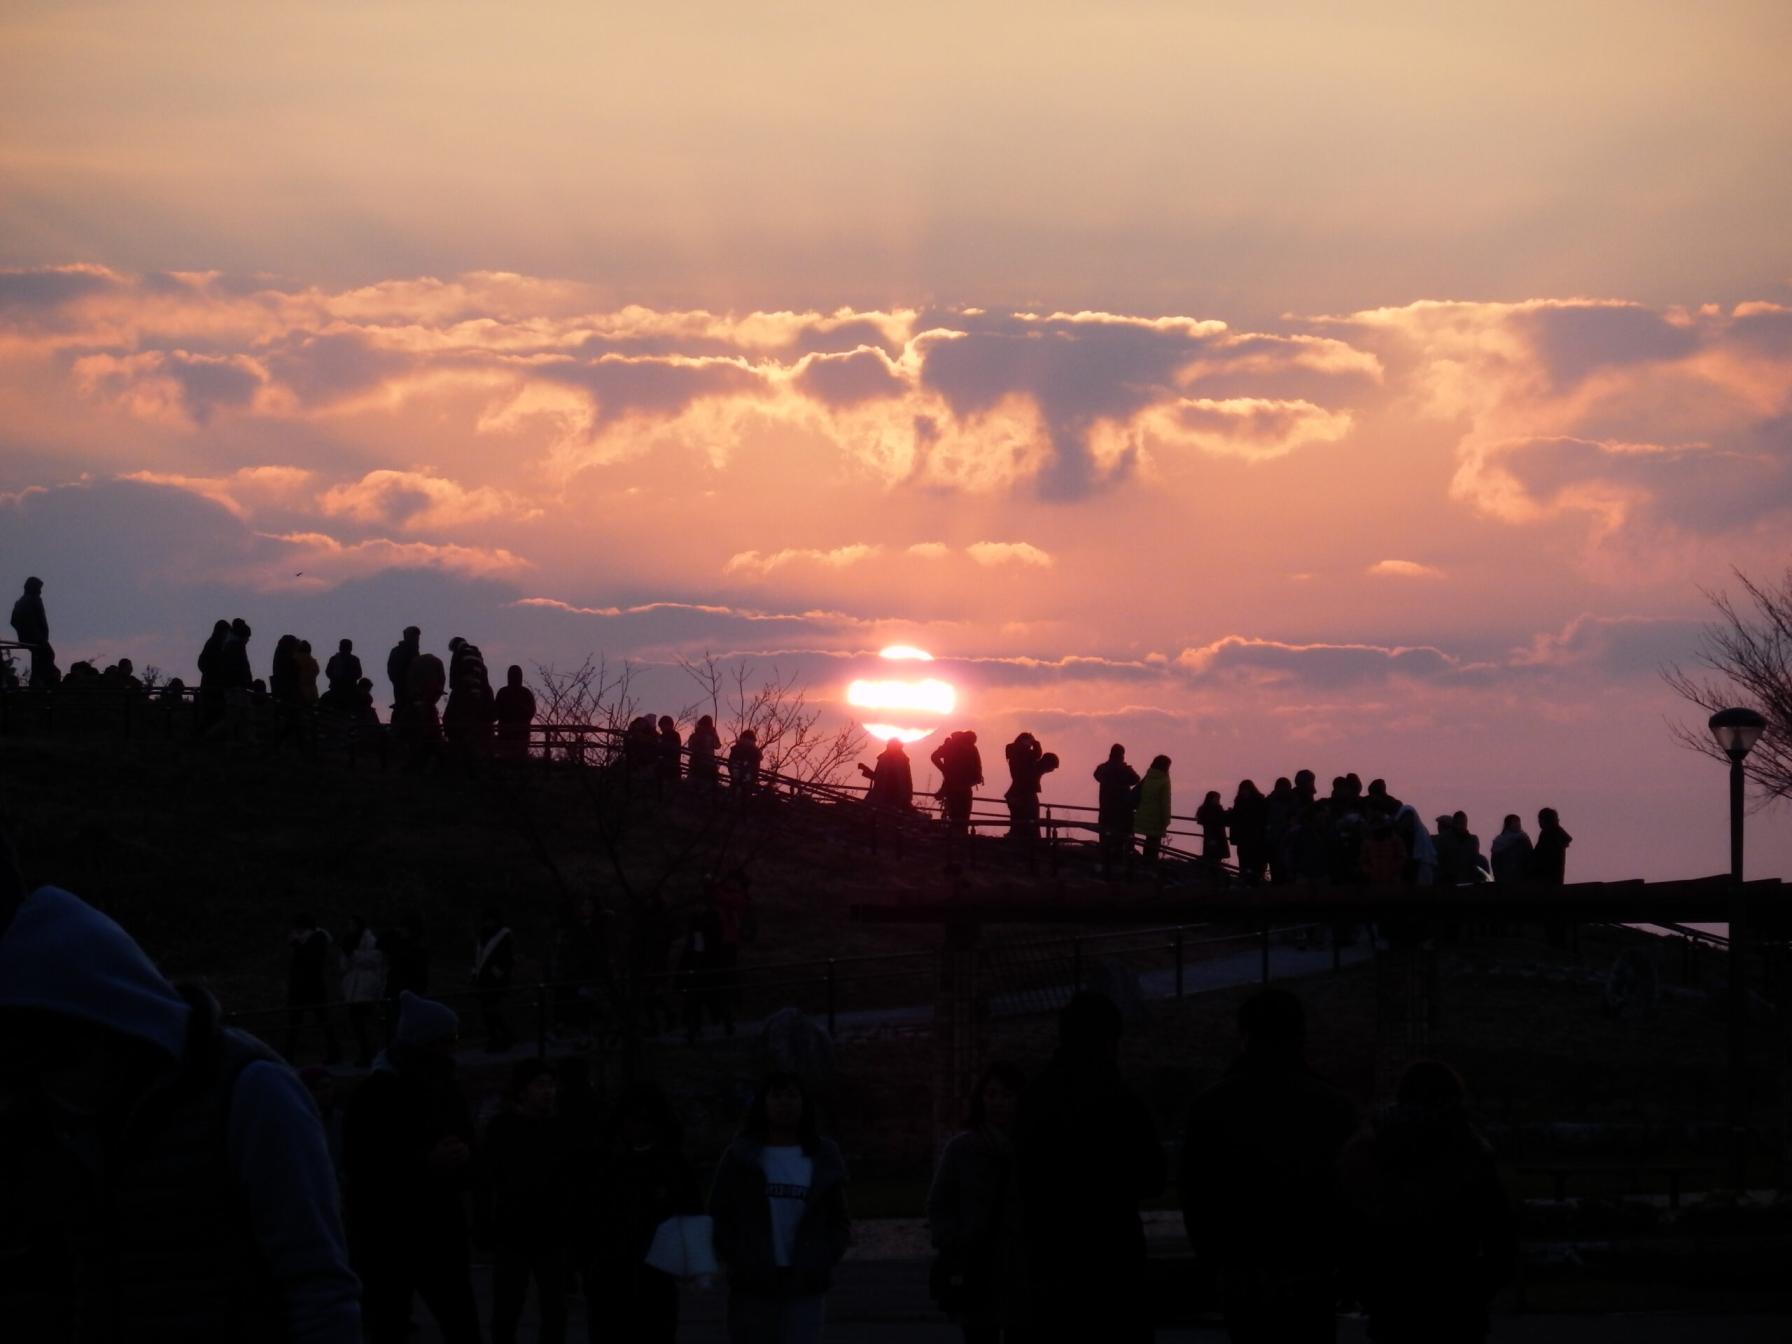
[1430,1238]
[974,1214]
[779,1204]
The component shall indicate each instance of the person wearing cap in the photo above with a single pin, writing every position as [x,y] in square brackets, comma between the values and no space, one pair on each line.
[162,1177]
[31,627]
[407,1155]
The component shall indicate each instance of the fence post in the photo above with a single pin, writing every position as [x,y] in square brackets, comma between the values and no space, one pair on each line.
[1266,949]
[831,1000]
[541,1020]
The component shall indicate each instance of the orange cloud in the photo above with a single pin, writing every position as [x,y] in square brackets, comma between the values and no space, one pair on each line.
[417,501]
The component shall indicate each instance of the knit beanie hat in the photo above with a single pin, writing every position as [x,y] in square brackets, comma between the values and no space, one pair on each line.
[421,1021]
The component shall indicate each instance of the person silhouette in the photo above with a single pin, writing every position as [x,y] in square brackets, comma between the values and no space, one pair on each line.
[1114,810]
[1028,764]
[744,759]
[408,1158]
[1257,1185]
[343,671]
[514,706]
[1512,851]
[1086,1153]
[398,665]
[163,1176]
[1429,1232]
[961,771]
[31,627]
[1549,855]
[974,1213]
[1151,819]
[704,744]
[779,1205]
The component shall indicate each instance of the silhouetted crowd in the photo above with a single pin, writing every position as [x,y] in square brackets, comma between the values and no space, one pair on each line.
[1291,834]
[164,1177]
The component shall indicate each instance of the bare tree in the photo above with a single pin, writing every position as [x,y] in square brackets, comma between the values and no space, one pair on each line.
[591,694]
[1745,658]
[777,709]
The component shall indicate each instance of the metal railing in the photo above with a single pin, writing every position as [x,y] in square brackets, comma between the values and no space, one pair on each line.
[867,992]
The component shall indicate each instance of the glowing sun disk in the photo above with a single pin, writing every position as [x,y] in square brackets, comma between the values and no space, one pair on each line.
[931,696]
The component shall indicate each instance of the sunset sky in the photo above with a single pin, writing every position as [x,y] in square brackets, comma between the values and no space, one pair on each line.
[1350,387]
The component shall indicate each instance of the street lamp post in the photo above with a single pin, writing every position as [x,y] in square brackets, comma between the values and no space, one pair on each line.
[1735,732]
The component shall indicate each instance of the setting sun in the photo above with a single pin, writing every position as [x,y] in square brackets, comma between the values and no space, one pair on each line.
[909,708]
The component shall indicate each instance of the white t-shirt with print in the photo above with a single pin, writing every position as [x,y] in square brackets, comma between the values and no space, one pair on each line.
[788,1173]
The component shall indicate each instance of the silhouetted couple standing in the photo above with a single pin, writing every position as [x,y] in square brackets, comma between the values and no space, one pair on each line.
[1290,1204]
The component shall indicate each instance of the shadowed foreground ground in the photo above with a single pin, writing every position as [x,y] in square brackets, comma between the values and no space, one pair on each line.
[885,1302]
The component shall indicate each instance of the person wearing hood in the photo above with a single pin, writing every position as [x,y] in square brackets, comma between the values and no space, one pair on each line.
[1257,1185]
[779,1207]
[1151,819]
[1086,1153]
[161,1177]
[1430,1232]
[1116,780]
[1421,852]
[1512,851]
[210,705]
[407,1156]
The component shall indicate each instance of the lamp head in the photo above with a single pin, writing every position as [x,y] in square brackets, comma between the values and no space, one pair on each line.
[1736,731]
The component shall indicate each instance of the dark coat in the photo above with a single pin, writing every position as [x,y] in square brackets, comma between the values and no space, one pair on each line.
[1212,817]
[1430,1237]
[624,1196]
[393,1121]
[1117,780]
[398,668]
[29,621]
[893,780]
[960,764]
[343,672]
[976,1221]
[1549,856]
[527,1162]
[742,1213]
[1086,1153]
[1257,1184]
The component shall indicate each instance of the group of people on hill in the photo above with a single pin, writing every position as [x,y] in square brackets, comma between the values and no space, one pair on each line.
[1294,1205]
[1293,833]
[476,721]
[654,752]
